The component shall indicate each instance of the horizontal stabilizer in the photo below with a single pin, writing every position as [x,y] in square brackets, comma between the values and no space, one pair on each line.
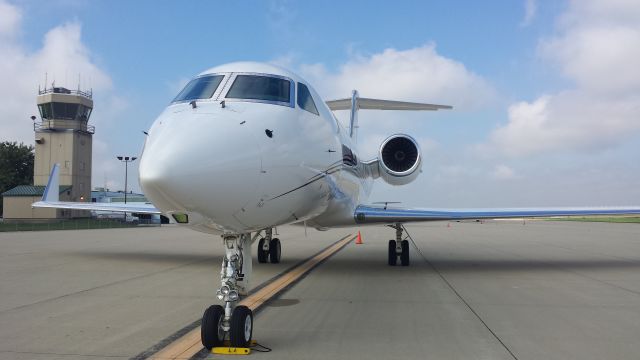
[136,207]
[376,104]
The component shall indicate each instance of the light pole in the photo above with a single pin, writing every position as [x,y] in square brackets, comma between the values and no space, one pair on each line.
[126,160]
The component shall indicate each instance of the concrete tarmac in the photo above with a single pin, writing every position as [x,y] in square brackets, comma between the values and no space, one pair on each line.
[498,290]
[114,293]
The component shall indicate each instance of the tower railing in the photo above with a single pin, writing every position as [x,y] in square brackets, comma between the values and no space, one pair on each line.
[61,90]
[62,125]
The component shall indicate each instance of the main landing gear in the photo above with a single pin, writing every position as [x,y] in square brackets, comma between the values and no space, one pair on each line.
[231,320]
[398,247]
[269,248]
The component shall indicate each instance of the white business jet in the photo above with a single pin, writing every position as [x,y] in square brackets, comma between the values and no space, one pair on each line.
[245,147]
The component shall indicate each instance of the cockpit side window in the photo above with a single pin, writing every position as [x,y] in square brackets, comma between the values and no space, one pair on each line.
[202,87]
[258,87]
[305,101]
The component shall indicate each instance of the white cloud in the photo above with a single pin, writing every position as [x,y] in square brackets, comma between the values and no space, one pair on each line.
[568,120]
[597,48]
[601,59]
[10,17]
[105,169]
[530,9]
[417,74]
[503,172]
[63,57]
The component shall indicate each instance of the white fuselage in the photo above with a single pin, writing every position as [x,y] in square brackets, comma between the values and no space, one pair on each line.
[243,166]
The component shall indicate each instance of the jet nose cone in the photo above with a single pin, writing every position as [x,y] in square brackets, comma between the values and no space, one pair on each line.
[210,170]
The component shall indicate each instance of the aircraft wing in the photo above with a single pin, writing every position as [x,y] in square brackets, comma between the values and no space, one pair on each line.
[50,199]
[379,215]
[138,208]
[376,104]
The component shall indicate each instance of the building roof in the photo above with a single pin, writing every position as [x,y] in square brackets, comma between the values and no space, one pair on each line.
[31,190]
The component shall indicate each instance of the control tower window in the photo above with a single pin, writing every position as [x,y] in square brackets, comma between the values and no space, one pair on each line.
[200,88]
[84,113]
[305,101]
[46,111]
[65,111]
[264,88]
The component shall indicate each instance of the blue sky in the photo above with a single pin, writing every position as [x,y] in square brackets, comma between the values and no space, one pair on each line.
[545,92]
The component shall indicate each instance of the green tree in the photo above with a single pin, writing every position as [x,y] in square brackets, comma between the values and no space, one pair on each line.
[16,165]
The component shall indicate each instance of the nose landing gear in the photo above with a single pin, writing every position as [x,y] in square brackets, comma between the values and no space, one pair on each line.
[234,321]
[269,248]
[398,247]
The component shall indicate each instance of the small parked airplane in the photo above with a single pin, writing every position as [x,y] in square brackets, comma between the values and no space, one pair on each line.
[245,147]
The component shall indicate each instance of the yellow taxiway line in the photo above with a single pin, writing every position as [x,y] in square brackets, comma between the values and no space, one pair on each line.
[189,344]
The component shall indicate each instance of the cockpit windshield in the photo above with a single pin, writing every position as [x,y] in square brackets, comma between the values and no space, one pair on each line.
[200,88]
[258,87]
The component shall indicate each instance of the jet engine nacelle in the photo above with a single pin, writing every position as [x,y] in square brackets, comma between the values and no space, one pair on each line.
[399,159]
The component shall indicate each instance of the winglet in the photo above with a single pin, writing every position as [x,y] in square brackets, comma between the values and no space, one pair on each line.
[52,191]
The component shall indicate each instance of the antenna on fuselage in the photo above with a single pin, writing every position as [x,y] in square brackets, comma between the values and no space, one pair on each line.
[386,203]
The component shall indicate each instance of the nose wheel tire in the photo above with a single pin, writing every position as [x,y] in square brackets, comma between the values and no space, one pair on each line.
[393,257]
[241,326]
[274,251]
[211,331]
[404,255]
[263,255]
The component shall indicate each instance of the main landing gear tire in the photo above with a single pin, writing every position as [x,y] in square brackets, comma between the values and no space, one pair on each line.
[211,331]
[241,327]
[404,255]
[274,251]
[393,257]
[262,254]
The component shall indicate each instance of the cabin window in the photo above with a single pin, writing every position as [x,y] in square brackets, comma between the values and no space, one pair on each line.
[305,101]
[264,88]
[200,88]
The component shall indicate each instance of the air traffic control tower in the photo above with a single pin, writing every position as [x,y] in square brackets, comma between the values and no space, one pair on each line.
[63,136]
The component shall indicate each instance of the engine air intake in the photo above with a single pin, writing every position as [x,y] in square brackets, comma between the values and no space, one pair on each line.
[399,154]
[399,159]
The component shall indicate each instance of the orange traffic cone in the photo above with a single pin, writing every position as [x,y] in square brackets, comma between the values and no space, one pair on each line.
[359,239]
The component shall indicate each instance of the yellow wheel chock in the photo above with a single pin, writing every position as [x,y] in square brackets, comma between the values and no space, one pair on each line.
[229,350]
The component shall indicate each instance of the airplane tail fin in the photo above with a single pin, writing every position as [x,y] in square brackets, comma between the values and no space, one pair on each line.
[356,103]
[52,191]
